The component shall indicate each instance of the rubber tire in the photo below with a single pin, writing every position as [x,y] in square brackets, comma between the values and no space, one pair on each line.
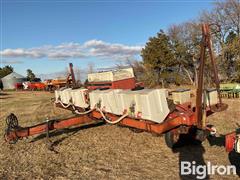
[169,139]
[171,105]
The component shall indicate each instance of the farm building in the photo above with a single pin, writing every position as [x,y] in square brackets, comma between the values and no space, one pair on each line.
[11,79]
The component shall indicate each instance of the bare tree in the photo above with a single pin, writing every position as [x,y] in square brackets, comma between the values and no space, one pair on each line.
[90,68]
[226,15]
[77,72]
[138,67]
[226,20]
[186,39]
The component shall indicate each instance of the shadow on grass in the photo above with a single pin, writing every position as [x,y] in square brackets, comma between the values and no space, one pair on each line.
[234,157]
[68,131]
[5,97]
[3,94]
[190,152]
[216,141]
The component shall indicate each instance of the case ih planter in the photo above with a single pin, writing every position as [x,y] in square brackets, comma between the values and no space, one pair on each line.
[148,110]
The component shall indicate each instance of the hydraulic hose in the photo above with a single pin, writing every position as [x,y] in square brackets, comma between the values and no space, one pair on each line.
[75,110]
[112,122]
[65,106]
[85,112]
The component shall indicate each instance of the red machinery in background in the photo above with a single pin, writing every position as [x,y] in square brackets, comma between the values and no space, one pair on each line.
[30,86]
[70,81]
[49,85]
[120,84]
[118,79]
[36,86]
[182,119]
[18,86]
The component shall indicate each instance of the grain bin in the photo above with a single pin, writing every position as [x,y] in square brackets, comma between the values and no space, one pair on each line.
[11,79]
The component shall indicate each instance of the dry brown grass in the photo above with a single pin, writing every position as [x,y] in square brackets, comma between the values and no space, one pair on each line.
[103,152]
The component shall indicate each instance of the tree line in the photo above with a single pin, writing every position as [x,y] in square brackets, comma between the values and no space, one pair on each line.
[173,56]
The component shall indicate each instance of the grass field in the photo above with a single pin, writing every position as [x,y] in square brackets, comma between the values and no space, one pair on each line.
[101,152]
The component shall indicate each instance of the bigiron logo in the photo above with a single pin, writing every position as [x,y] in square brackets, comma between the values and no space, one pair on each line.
[202,171]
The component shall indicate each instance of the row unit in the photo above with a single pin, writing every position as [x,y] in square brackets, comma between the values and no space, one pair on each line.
[184,96]
[149,104]
[77,97]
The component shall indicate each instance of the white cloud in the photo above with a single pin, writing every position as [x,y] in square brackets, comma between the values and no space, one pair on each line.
[29,53]
[92,48]
[104,49]
[9,61]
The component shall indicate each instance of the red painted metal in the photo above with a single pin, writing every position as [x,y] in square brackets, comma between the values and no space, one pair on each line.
[51,125]
[229,141]
[174,120]
[31,86]
[206,43]
[18,86]
[199,105]
[71,81]
[129,83]
[181,116]
[36,86]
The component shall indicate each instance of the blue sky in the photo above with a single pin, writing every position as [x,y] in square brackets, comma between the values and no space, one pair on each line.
[45,35]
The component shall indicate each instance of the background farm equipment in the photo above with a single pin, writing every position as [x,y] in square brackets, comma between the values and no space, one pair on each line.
[50,84]
[117,79]
[53,84]
[18,86]
[230,90]
[33,86]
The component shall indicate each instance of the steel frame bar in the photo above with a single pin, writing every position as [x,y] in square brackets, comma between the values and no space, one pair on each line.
[48,126]
[199,110]
[206,43]
[182,116]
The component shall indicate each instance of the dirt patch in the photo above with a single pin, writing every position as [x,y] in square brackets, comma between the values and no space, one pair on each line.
[101,152]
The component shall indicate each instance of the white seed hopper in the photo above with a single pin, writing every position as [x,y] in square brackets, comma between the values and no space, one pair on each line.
[111,75]
[149,104]
[65,95]
[107,99]
[212,97]
[181,96]
[79,97]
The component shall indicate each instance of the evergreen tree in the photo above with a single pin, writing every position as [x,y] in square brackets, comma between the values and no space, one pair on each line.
[158,57]
[5,71]
[30,75]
